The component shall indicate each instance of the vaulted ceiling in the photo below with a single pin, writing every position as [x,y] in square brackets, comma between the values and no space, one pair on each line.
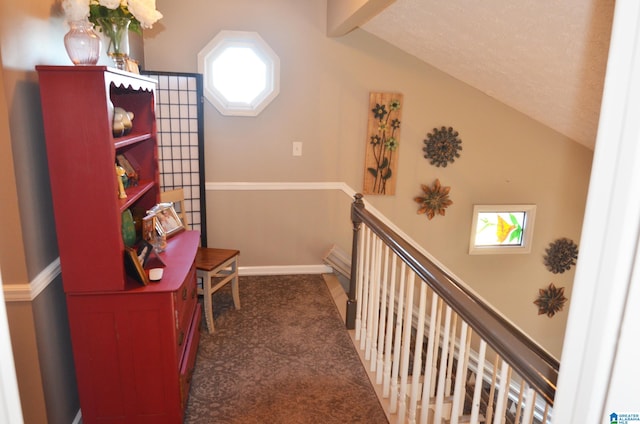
[545,58]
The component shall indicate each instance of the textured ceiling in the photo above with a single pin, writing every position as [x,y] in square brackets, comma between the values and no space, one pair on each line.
[545,58]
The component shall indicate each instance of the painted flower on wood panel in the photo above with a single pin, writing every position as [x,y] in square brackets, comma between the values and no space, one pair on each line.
[383,140]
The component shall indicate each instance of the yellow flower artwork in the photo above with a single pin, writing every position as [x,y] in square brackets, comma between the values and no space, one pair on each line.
[503,229]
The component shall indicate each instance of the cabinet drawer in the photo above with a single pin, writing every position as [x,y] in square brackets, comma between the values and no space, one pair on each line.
[185,295]
[189,359]
[185,300]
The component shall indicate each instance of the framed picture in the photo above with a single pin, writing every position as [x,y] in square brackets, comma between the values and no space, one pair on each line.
[132,66]
[168,222]
[131,172]
[134,266]
[149,228]
[501,229]
[144,252]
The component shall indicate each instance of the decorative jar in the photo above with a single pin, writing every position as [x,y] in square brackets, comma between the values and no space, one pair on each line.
[82,43]
[128,228]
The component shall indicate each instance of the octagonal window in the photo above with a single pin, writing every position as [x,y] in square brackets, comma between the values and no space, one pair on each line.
[241,73]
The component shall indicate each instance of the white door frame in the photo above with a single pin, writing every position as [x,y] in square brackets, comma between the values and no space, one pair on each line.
[10,409]
[596,350]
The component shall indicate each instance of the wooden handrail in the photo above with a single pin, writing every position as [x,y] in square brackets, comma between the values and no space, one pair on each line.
[533,363]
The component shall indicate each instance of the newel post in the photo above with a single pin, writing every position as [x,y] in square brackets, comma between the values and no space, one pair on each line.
[352,302]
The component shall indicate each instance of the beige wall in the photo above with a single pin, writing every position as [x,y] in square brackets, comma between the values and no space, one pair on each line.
[507,158]
[14,267]
[323,102]
[30,35]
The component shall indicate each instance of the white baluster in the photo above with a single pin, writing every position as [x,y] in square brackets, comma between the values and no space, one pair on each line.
[372,290]
[365,289]
[545,416]
[417,354]
[383,314]
[431,352]
[529,406]
[519,406]
[460,380]
[388,351]
[475,406]
[434,368]
[360,282]
[375,305]
[443,367]
[492,389]
[467,350]
[452,350]
[502,394]
[406,348]
[393,407]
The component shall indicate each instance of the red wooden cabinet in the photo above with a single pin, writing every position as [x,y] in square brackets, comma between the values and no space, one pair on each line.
[134,345]
[77,110]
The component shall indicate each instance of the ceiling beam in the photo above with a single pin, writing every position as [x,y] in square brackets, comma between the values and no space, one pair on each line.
[343,16]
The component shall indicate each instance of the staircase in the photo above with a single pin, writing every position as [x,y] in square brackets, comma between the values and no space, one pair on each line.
[435,352]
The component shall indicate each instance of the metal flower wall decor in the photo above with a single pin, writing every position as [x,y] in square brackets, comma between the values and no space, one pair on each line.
[434,201]
[442,146]
[561,255]
[383,141]
[550,300]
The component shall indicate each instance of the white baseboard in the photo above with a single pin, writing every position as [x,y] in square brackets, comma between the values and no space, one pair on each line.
[78,418]
[285,270]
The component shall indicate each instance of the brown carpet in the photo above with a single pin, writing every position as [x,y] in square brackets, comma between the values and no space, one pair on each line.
[284,357]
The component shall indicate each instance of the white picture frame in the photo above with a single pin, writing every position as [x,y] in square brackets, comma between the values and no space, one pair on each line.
[502,229]
[167,221]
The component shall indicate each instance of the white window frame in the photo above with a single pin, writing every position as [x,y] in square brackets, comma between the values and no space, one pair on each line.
[216,47]
[527,230]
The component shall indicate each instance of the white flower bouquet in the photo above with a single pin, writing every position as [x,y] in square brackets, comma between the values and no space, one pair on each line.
[143,13]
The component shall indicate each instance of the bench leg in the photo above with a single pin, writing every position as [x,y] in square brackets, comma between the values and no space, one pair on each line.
[235,285]
[208,301]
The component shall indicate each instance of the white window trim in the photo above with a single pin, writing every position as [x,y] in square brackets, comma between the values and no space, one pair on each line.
[252,40]
[527,230]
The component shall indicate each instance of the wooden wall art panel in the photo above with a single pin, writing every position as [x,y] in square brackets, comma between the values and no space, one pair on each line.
[383,142]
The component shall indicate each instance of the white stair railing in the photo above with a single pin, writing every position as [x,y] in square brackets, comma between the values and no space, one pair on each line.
[439,354]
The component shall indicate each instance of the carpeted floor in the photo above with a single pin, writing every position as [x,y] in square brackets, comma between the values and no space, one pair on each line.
[284,357]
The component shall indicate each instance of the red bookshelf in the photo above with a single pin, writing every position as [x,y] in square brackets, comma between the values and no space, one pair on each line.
[134,345]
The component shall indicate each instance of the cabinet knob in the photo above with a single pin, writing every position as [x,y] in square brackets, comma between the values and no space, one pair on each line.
[184,293]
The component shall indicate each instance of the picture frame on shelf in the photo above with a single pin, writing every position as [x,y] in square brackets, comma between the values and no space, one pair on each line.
[144,252]
[149,233]
[129,169]
[134,266]
[132,66]
[168,222]
[149,255]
